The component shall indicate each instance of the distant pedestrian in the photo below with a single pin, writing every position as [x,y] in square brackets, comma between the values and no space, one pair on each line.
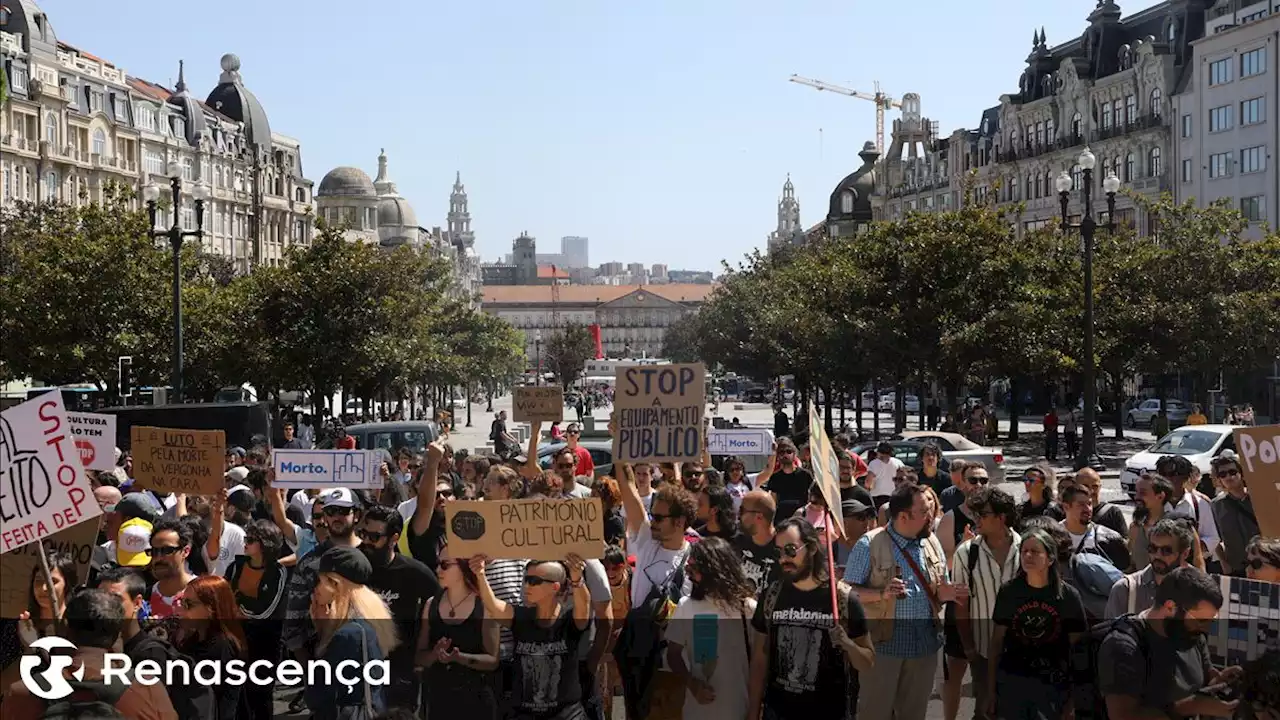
[1051,434]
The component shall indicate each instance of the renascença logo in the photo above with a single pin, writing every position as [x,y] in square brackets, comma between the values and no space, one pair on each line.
[119,668]
[52,685]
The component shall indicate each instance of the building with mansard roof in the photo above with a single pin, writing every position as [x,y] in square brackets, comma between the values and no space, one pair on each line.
[75,122]
[1109,89]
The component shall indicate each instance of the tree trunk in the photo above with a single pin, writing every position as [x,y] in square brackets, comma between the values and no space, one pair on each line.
[1015,406]
[875,426]
[827,416]
[857,409]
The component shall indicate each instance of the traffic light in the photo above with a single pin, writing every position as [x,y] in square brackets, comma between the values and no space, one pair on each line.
[126,376]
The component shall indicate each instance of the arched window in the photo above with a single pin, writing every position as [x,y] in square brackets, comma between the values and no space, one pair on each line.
[1026,194]
[1106,167]
[188,170]
[1129,162]
[1157,102]
[1077,127]
[51,128]
[301,195]
[1040,134]
[1119,108]
[846,202]
[1153,162]
[1077,177]
[1050,131]
[99,142]
[1039,185]
[51,186]
[1130,109]
[1106,116]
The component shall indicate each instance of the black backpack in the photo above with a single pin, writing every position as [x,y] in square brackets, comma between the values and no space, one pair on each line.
[92,698]
[1086,692]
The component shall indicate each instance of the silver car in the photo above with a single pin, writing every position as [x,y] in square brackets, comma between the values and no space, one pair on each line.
[956,446]
[1145,412]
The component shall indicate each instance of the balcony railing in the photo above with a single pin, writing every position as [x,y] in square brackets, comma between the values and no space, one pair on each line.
[911,188]
[1138,124]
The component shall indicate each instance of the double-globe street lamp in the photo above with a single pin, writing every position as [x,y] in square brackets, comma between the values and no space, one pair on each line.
[176,235]
[1087,227]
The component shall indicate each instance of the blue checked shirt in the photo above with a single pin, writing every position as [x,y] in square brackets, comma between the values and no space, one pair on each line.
[915,634]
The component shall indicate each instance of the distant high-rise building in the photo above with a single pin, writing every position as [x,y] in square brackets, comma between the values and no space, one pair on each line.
[574,250]
[658,271]
[610,268]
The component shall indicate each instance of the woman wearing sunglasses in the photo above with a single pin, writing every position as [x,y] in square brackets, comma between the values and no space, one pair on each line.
[258,582]
[547,633]
[1262,559]
[458,647]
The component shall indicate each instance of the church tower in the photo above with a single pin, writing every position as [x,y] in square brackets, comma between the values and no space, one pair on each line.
[460,234]
[788,218]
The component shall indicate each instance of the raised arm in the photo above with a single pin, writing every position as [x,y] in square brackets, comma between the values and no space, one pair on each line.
[581,595]
[427,488]
[493,607]
[631,502]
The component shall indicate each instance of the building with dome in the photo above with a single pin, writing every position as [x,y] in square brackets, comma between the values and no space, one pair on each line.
[74,123]
[374,212]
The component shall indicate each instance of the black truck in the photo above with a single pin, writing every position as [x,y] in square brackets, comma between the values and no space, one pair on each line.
[241,421]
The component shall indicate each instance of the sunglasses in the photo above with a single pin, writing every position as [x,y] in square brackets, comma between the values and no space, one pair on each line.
[535,580]
[658,517]
[163,551]
[1162,550]
[790,550]
[317,517]
[334,511]
[1258,563]
[446,564]
[978,480]
[1226,473]
[370,535]
[444,493]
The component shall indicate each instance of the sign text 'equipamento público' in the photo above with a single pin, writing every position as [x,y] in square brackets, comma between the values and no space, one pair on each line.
[1259,454]
[325,469]
[545,529]
[178,460]
[659,413]
[43,487]
[538,403]
[95,435]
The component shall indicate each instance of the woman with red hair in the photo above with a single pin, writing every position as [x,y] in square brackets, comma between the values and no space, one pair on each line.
[210,629]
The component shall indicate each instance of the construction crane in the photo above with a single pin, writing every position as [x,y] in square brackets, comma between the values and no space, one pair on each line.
[883,102]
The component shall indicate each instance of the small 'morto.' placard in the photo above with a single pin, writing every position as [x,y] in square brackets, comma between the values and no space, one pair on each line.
[1259,450]
[534,529]
[659,413]
[177,460]
[538,403]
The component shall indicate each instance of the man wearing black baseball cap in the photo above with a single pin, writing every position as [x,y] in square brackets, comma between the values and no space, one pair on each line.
[859,515]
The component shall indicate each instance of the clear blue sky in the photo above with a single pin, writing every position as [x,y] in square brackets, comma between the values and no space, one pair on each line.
[663,130]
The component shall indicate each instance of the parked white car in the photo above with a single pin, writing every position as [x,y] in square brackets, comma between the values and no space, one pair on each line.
[1145,412]
[1197,443]
[910,402]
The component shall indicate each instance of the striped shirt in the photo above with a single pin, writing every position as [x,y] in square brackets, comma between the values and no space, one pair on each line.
[988,577]
[506,578]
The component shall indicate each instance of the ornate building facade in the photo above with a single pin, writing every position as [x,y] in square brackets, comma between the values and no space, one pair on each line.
[74,122]
[1110,90]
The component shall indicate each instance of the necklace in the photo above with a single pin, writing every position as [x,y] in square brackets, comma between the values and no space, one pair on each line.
[453,607]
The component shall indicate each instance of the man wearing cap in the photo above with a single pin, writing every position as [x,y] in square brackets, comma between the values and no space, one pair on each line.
[134,506]
[235,457]
[342,515]
[859,514]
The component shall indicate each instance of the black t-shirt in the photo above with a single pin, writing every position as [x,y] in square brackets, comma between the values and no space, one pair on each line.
[546,662]
[807,675]
[615,528]
[497,434]
[727,536]
[427,546]
[759,562]
[951,498]
[942,480]
[404,584]
[1155,670]
[792,490]
[1038,623]
[1050,509]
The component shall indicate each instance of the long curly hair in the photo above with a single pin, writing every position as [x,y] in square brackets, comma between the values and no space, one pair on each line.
[718,574]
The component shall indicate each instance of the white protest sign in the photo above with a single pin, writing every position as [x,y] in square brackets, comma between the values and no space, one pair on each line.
[659,413]
[43,488]
[95,435]
[325,469]
[740,441]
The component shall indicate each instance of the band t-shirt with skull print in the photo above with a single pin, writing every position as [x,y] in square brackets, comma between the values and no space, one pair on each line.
[546,662]
[1038,624]
[807,674]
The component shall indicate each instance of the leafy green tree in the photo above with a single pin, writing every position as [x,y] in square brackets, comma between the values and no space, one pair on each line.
[81,286]
[683,339]
[567,352]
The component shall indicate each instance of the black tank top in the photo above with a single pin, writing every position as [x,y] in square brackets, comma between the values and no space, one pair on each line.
[467,635]
[962,522]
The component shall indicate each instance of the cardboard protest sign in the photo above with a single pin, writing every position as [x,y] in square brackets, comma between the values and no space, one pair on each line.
[1248,623]
[325,469]
[659,413]
[1259,450]
[740,441]
[546,529]
[43,488]
[538,403]
[78,541]
[95,435]
[826,467]
[177,460]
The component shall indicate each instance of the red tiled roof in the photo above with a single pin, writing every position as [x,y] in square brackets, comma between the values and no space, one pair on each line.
[549,271]
[590,294]
[150,89]
[83,54]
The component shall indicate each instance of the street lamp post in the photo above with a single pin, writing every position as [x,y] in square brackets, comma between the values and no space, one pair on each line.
[537,349]
[176,235]
[1087,226]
